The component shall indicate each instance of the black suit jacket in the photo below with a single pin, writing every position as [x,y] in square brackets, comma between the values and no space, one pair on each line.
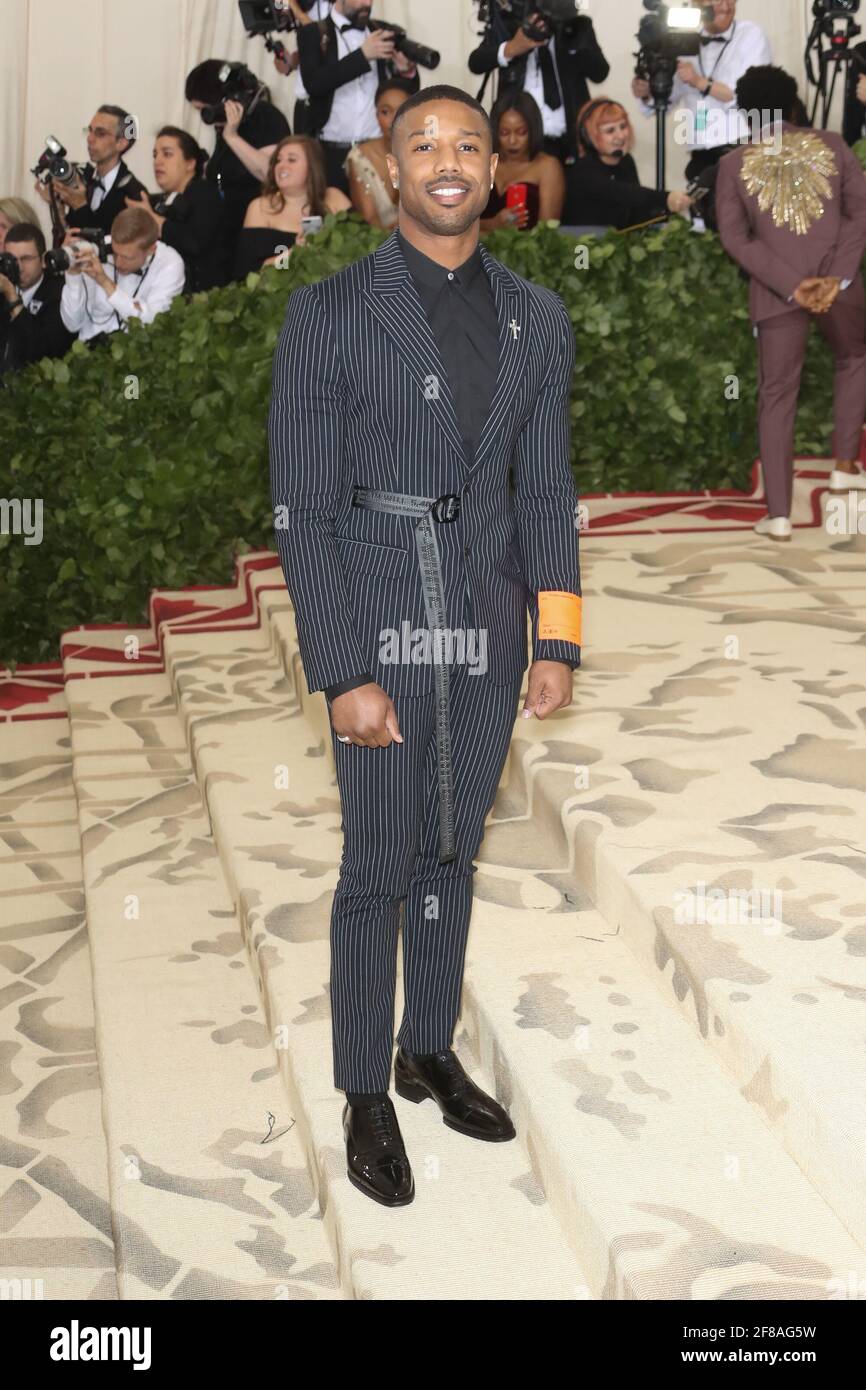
[38,331]
[126,185]
[576,55]
[195,227]
[351,404]
[323,70]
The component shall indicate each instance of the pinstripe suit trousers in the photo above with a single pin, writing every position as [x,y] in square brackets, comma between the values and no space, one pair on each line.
[390,805]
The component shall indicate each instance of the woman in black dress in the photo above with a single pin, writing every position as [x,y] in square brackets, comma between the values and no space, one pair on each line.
[602,185]
[188,211]
[518,139]
[295,187]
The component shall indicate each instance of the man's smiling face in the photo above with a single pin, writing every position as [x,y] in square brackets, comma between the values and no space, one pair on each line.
[443,165]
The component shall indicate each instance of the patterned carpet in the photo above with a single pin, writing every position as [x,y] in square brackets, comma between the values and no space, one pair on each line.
[664,979]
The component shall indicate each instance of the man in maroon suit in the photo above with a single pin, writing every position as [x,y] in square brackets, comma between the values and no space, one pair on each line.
[791,208]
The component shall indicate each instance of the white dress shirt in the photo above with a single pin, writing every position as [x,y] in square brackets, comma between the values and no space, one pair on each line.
[86,309]
[707,121]
[99,194]
[353,111]
[533,83]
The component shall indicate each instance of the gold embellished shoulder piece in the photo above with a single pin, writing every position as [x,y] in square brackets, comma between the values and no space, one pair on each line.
[792,182]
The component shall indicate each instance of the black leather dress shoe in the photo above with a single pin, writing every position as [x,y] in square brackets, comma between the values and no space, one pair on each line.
[464,1106]
[377,1161]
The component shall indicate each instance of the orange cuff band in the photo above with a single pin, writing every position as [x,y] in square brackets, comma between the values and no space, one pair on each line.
[558,616]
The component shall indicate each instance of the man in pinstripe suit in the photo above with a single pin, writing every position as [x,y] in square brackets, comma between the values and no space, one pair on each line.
[423,496]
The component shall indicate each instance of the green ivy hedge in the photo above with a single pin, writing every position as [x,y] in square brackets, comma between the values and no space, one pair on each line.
[149,452]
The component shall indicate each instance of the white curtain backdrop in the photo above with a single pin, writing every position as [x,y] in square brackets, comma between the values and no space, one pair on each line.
[61,58]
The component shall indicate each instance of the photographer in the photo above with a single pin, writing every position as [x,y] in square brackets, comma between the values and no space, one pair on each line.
[342,65]
[144,278]
[602,186]
[262,125]
[706,88]
[30,323]
[189,211]
[553,70]
[97,198]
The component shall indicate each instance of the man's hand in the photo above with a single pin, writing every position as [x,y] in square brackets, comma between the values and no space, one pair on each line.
[861,88]
[817,293]
[641,88]
[403,64]
[521,43]
[367,716]
[380,44]
[689,74]
[74,194]
[144,202]
[8,290]
[92,267]
[550,688]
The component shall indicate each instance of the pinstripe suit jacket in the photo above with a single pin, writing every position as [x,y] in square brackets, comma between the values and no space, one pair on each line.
[360,396]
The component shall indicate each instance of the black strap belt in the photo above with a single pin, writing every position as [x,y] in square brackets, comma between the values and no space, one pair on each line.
[429,509]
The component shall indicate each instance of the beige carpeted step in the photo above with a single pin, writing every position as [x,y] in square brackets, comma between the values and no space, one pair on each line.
[210,1189]
[716,740]
[55,1221]
[665,1181]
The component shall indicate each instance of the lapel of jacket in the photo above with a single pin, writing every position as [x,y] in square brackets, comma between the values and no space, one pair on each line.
[512,312]
[394,302]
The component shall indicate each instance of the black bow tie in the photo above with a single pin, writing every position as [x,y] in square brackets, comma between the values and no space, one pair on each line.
[352,25]
[97,183]
[713,38]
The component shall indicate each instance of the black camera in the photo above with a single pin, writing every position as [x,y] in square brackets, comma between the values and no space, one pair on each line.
[416,52]
[822,8]
[53,164]
[63,259]
[662,43]
[10,268]
[237,84]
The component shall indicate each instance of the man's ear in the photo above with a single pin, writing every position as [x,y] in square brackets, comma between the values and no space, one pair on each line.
[494,160]
[393,169]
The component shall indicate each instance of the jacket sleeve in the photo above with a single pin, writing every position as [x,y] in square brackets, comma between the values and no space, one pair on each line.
[545,498]
[321,78]
[852,236]
[305,429]
[739,240]
[585,52]
[202,226]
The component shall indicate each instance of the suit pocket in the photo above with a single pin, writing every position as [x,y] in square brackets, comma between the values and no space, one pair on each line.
[368,557]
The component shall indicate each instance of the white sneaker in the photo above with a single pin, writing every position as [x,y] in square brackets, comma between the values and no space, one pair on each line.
[844,482]
[777,527]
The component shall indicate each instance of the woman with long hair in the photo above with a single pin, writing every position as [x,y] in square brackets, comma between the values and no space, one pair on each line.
[295,187]
[188,211]
[535,179]
[603,188]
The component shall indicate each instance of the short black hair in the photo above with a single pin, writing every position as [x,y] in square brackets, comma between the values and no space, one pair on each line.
[27,231]
[526,106]
[768,88]
[441,92]
[124,121]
